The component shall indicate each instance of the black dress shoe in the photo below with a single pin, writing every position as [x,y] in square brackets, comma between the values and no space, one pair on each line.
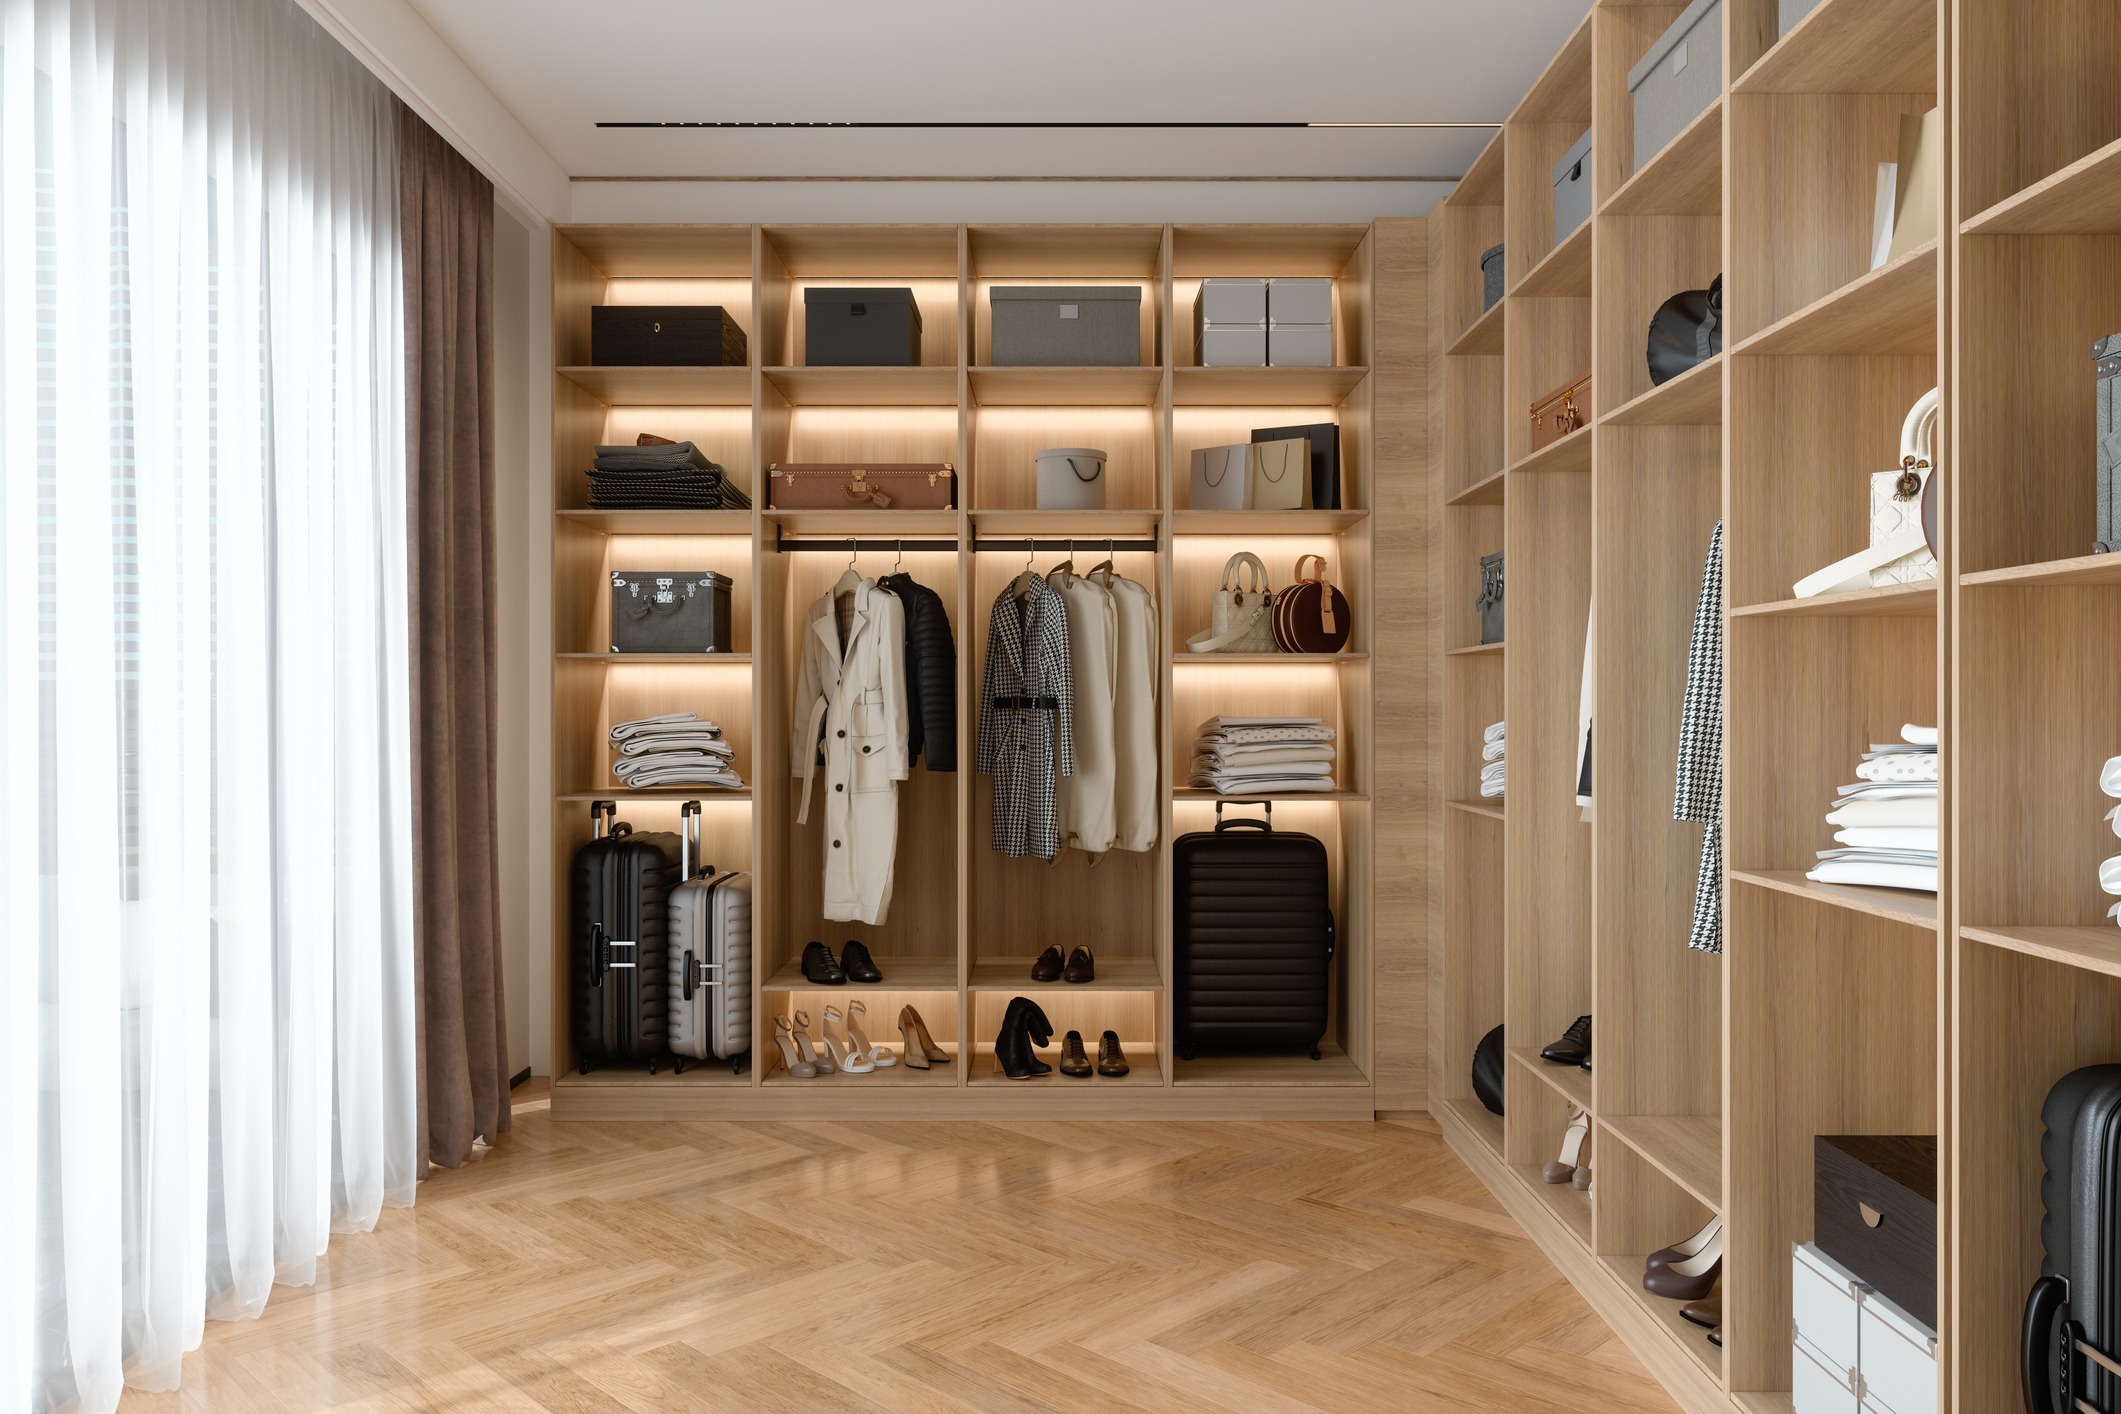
[819,966]
[857,964]
[1574,1047]
[1074,1061]
[1023,1026]
[1048,966]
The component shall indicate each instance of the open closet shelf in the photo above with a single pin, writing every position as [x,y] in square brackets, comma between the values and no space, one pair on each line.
[964,922]
[1830,1009]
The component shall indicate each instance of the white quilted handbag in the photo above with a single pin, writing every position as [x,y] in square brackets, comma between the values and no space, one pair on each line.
[1900,551]
[1241,619]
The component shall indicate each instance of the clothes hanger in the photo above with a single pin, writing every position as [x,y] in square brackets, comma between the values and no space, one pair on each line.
[850,578]
[898,557]
[1104,567]
[1066,566]
[1022,582]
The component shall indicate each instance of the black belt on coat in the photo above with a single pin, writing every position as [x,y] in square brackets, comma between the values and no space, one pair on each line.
[1029,704]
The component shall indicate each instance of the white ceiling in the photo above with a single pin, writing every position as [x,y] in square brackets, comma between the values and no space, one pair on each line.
[559,68]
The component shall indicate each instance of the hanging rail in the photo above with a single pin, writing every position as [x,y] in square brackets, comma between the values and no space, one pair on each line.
[846,544]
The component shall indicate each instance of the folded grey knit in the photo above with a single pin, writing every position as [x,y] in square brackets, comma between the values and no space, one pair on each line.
[622,457]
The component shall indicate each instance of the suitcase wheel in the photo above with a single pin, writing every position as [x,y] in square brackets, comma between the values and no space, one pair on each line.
[652,1065]
[1185,1053]
[585,1067]
[679,1067]
[1317,1054]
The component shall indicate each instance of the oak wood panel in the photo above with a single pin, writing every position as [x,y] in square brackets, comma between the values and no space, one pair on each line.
[1851,46]
[1621,35]
[2037,91]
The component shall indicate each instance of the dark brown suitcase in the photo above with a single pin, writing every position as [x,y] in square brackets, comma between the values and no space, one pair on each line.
[1874,1210]
[831,486]
[665,336]
[1252,949]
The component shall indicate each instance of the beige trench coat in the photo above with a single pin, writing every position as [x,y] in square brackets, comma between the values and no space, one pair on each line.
[850,708]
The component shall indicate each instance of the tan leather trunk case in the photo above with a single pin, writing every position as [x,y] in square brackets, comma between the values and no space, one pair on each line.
[896,486]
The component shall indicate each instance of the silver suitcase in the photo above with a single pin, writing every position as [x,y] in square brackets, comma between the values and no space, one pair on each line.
[708,988]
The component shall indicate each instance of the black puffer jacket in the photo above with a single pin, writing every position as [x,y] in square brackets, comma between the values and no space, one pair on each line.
[931,674]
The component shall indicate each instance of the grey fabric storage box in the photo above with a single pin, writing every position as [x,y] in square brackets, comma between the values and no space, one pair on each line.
[1300,322]
[860,327]
[1300,345]
[1230,322]
[1491,277]
[1678,79]
[1067,325]
[670,611]
[1572,188]
[1788,12]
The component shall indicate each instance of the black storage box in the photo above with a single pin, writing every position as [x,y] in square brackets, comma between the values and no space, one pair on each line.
[1874,1210]
[1324,438]
[670,611]
[873,328]
[665,336]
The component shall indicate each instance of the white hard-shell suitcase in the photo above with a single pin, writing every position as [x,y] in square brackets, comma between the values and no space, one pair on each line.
[709,987]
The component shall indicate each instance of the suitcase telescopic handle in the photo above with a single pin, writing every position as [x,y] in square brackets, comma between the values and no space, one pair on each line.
[602,814]
[1266,824]
[689,852]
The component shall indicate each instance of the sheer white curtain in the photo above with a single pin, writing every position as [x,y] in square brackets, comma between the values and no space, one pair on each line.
[205,860]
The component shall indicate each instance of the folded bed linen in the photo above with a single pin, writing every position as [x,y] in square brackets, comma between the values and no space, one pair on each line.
[660,760]
[668,721]
[1915,837]
[1245,785]
[1209,765]
[1919,877]
[1900,767]
[677,741]
[1266,755]
[1491,790]
[1492,751]
[1890,812]
[1493,733]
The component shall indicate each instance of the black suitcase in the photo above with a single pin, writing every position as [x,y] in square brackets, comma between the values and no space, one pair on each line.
[2072,1331]
[619,924]
[1252,939]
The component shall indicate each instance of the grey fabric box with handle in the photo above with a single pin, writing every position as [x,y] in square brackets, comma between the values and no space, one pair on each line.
[1572,188]
[1065,326]
[1678,79]
[669,611]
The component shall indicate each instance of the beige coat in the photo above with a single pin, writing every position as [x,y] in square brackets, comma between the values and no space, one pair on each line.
[851,705]
[1137,805]
[1083,801]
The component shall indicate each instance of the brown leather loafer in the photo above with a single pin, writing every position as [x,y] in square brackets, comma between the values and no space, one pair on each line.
[1707,1312]
[1111,1060]
[1081,966]
[1048,966]
[1073,1061]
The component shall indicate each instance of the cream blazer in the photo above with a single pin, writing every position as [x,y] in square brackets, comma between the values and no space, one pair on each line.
[1083,801]
[850,728]
[1137,656]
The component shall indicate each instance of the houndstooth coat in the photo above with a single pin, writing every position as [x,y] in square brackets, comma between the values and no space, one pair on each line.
[1026,717]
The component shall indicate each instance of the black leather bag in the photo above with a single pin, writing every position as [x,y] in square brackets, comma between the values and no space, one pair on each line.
[1487,1070]
[1686,330]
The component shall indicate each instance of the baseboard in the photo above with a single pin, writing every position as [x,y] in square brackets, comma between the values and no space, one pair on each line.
[521,1076]
[1682,1377]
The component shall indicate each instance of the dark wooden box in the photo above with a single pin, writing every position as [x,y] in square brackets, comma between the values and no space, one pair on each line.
[665,336]
[1874,1210]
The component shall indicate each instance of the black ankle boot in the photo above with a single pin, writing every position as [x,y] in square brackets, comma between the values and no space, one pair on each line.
[1022,1026]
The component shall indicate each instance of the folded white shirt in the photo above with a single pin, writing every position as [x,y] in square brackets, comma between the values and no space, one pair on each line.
[1267,755]
[1492,751]
[1244,785]
[1900,767]
[1491,790]
[622,731]
[676,741]
[1875,812]
[1918,837]
[1492,733]
[1208,765]
[1273,736]
[1920,877]
[684,776]
[1493,771]
[627,767]
[1217,723]
[1918,735]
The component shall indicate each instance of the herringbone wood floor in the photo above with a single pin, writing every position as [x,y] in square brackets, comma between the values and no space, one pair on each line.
[997,1269]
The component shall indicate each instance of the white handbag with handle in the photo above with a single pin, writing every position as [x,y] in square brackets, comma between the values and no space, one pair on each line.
[1900,551]
[1241,619]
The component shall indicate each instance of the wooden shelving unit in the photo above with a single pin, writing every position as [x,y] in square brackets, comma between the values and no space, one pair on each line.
[965,922]
[1833,1009]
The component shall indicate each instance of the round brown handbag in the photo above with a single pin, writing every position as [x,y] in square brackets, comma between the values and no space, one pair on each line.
[1311,616]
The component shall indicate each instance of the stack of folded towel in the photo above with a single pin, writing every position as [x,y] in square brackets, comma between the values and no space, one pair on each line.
[1245,755]
[1886,822]
[661,475]
[675,749]
[1491,763]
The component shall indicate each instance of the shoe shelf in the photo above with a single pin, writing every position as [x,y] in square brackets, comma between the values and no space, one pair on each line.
[964,922]
[1572,1083]
[1832,1009]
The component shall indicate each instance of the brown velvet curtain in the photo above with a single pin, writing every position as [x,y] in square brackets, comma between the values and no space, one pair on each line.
[446,211]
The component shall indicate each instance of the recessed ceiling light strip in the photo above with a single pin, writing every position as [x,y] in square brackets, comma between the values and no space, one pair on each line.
[1060,125]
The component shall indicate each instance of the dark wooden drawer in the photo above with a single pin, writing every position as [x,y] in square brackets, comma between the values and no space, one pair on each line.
[1874,1210]
[666,336]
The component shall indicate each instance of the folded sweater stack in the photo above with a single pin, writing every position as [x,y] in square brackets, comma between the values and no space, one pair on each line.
[675,749]
[1247,755]
[660,475]
[1491,773]
[1886,823]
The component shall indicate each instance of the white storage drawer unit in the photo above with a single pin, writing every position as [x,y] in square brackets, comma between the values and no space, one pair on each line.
[1851,1348]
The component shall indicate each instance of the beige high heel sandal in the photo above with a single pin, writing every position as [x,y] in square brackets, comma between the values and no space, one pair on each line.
[920,1046]
[877,1057]
[801,1030]
[794,1064]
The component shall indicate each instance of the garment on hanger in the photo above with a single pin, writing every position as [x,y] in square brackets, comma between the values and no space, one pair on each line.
[1699,793]
[1027,717]
[1083,800]
[1584,689]
[931,673]
[1137,657]
[850,726]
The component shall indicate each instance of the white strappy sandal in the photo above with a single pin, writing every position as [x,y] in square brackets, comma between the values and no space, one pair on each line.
[860,1044]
